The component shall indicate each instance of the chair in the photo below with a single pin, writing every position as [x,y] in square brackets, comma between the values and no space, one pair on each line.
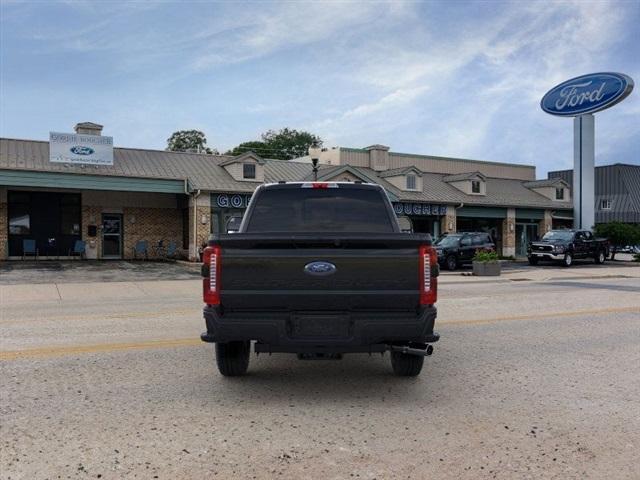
[160,249]
[79,248]
[29,248]
[172,248]
[142,249]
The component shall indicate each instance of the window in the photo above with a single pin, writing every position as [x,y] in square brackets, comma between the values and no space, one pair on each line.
[478,240]
[475,186]
[19,213]
[411,182]
[465,242]
[249,170]
[605,204]
[304,210]
[560,193]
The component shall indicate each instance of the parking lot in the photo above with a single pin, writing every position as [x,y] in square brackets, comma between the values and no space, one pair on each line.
[535,376]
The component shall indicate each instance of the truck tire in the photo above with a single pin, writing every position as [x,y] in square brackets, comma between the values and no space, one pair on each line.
[568,260]
[233,358]
[600,257]
[451,262]
[533,261]
[406,365]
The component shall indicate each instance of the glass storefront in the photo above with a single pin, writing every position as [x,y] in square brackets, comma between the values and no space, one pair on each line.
[52,219]
[525,233]
[492,226]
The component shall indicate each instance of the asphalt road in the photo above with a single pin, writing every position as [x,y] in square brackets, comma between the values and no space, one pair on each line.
[530,380]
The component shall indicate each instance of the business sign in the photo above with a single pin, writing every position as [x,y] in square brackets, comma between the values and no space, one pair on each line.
[587,94]
[231,201]
[80,149]
[406,208]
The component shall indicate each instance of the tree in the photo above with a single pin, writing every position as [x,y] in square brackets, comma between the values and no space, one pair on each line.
[188,141]
[257,147]
[619,234]
[284,144]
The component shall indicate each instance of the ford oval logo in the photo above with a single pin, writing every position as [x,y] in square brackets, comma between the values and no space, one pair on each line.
[79,150]
[587,94]
[320,268]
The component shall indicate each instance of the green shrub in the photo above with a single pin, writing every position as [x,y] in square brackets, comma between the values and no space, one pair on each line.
[482,256]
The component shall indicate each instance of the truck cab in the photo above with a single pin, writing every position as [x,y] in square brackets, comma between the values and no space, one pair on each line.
[565,246]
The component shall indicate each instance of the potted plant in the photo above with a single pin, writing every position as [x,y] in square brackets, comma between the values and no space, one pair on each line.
[486,264]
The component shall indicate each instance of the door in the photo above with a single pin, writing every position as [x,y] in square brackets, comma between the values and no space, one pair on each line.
[112,235]
[467,250]
[525,233]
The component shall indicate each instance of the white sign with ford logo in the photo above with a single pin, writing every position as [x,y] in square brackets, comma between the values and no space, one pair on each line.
[80,149]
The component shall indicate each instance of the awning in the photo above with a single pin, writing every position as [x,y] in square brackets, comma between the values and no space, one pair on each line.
[30,178]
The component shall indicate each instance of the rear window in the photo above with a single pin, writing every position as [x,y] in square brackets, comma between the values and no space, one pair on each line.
[327,210]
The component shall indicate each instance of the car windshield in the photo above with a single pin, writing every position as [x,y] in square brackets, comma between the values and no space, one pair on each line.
[558,235]
[448,241]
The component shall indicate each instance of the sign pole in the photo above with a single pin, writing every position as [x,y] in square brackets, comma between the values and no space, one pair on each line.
[583,171]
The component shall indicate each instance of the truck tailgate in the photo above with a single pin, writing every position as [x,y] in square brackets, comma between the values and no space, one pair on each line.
[374,272]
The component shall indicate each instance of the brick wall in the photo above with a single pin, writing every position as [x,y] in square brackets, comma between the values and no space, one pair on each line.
[509,233]
[92,216]
[449,220]
[152,225]
[203,230]
[545,224]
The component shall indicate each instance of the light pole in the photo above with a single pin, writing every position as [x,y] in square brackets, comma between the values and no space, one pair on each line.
[314,153]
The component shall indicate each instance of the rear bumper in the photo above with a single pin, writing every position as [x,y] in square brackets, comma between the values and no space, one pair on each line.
[358,332]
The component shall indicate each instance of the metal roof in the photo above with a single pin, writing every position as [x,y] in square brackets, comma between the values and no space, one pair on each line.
[547,182]
[620,184]
[205,172]
[463,176]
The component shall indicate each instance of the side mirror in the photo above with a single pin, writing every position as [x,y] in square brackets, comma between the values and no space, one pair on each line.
[405,224]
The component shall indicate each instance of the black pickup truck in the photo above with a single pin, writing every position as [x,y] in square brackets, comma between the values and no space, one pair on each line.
[565,246]
[320,269]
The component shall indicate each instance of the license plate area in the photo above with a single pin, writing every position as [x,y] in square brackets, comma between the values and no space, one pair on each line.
[319,326]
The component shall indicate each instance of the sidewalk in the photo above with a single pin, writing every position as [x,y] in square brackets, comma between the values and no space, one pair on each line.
[523,272]
[99,291]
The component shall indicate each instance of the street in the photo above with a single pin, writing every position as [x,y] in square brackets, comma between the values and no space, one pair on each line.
[535,376]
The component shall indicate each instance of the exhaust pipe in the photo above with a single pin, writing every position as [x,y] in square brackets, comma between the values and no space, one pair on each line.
[427,351]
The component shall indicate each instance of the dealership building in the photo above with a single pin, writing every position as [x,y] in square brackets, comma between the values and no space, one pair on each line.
[113,198]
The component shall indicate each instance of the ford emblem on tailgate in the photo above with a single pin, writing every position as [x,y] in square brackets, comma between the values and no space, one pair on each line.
[320,268]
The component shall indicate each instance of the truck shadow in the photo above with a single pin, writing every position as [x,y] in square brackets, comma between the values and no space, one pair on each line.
[282,379]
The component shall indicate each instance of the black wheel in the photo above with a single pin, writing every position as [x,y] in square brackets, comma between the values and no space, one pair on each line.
[533,261]
[600,257]
[233,358]
[452,263]
[406,365]
[568,260]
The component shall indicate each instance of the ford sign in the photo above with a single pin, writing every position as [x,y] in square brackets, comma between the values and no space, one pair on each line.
[587,94]
[79,150]
[319,268]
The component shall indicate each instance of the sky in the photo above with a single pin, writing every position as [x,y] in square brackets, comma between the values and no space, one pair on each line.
[446,78]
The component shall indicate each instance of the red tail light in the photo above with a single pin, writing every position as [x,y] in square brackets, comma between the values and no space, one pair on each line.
[211,283]
[428,275]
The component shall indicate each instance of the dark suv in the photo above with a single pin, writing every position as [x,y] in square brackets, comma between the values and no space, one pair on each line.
[456,249]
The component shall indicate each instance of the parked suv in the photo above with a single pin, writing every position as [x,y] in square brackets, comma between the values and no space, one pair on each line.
[456,249]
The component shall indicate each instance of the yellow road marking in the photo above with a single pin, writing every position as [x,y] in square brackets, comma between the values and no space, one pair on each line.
[46,352]
[105,347]
[194,311]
